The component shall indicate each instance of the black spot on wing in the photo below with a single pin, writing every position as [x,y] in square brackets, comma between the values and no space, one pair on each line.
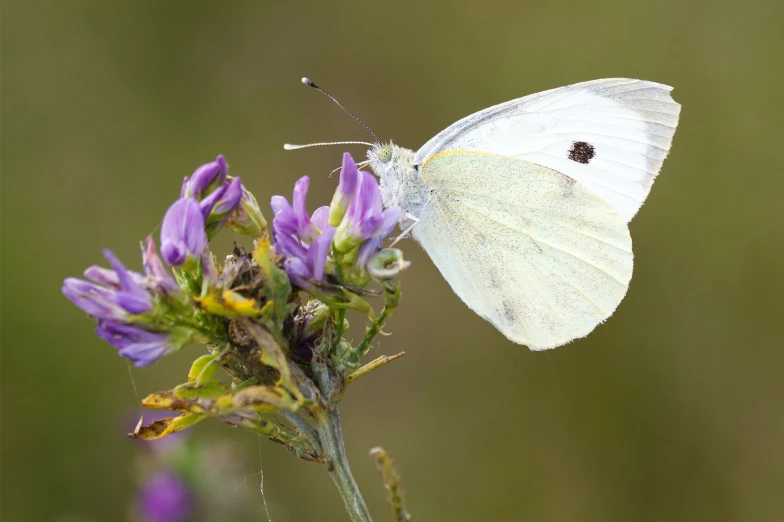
[581,152]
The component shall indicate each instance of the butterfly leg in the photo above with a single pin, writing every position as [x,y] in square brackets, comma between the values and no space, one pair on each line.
[411,217]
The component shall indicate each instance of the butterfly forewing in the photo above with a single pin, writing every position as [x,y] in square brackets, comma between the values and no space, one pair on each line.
[611,135]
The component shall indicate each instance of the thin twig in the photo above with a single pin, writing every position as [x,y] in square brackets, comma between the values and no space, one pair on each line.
[391,478]
[372,365]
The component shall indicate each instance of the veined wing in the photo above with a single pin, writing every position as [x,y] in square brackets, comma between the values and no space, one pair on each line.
[611,135]
[541,257]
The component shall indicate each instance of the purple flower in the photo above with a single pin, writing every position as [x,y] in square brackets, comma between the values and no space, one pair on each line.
[165,498]
[304,240]
[219,196]
[121,295]
[205,179]
[347,187]
[182,232]
[135,343]
[365,217]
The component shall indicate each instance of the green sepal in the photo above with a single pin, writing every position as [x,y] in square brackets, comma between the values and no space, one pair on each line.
[204,368]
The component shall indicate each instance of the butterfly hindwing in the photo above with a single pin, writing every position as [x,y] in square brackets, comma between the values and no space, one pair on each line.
[541,257]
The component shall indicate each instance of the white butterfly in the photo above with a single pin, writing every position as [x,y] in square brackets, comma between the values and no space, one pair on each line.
[524,206]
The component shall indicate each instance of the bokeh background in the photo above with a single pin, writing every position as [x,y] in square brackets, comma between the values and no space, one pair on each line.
[672,410]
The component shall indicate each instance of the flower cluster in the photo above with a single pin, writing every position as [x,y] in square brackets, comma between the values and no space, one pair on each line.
[130,307]
[123,302]
[273,318]
[352,227]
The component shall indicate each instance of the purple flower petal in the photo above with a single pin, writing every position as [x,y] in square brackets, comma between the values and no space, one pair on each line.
[102,276]
[208,203]
[320,218]
[367,250]
[363,213]
[284,220]
[304,229]
[298,272]
[290,246]
[318,252]
[365,217]
[182,232]
[131,297]
[106,277]
[144,354]
[229,200]
[140,346]
[123,335]
[389,219]
[205,178]
[94,300]
[157,273]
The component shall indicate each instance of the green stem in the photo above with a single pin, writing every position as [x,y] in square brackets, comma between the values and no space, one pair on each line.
[304,428]
[337,465]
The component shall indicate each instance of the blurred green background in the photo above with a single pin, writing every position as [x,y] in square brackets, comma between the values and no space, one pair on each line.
[672,410]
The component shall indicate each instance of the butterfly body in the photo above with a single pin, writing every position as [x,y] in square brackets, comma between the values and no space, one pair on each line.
[524,206]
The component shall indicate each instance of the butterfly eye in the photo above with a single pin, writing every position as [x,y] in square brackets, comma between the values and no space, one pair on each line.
[385,154]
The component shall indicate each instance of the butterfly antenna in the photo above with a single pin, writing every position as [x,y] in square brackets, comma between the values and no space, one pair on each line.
[289,146]
[309,83]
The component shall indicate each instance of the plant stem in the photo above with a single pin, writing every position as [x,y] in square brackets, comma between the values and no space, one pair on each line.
[337,465]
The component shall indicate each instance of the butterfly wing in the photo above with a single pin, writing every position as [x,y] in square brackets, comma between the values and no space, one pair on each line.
[611,135]
[543,258]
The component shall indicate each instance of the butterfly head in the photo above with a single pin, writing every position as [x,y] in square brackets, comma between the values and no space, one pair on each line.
[396,171]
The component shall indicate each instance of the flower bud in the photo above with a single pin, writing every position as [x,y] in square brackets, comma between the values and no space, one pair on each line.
[347,187]
[247,218]
[182,232]
[387,264]
[205,179]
